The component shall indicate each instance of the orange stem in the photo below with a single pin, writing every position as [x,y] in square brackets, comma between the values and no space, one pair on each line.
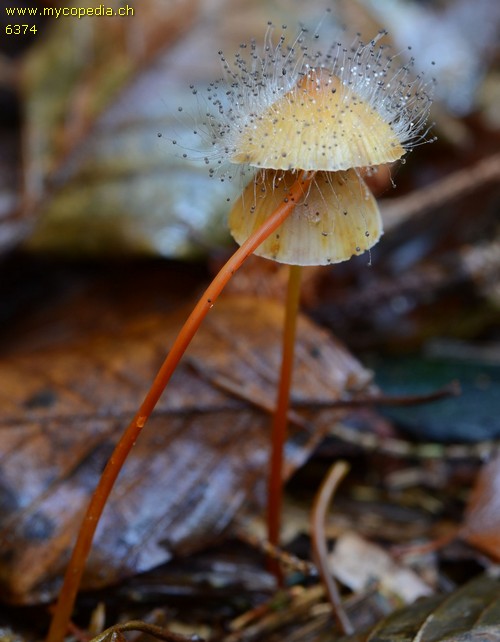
[280,419]
[81,550]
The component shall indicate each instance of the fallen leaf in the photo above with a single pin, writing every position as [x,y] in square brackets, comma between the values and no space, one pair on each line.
[358,563]
[201,461]
[469,614]
[481,526]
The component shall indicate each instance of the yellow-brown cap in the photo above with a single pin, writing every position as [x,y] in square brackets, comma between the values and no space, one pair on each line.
[320,124]
[337,219]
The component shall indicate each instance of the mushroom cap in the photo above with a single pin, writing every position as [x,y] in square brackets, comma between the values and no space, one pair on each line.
[338,217]
[320,124]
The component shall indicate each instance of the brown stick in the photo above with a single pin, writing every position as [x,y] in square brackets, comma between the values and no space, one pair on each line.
[318,535]
[457,185]
[150,629]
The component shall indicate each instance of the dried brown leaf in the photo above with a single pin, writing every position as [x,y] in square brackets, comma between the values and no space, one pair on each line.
[481,525]
[201,461]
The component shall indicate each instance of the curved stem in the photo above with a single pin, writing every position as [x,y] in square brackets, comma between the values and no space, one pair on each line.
[150,630]
[318,536]
[280,420]
[74,571]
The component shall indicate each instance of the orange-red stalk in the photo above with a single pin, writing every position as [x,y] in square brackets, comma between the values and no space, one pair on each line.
[81,550]
[280,419]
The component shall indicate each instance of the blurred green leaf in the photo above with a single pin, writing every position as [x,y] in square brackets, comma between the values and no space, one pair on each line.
[472,416]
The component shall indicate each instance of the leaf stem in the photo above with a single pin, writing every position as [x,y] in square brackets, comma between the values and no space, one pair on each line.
[280,420]
[81,550]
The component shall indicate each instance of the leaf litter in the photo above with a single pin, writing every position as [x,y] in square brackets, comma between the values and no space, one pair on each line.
[200,463]
[441,489]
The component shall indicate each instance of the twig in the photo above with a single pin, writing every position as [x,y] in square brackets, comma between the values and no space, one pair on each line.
[318,535]
[275,552]
[451,389]
[402,448]
[397,211]
[299,605]
[150,629]
[257,397]
[367,440]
